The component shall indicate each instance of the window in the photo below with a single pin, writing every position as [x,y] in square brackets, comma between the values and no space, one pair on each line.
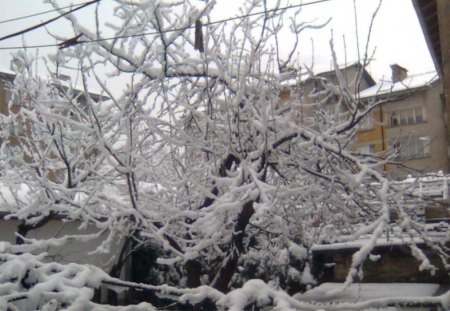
[17,127]
[366,123]
[407,116]
[314,87]
[5,151]
[336,114]
[8,96]
[411,147]
[367,149]
[418,115]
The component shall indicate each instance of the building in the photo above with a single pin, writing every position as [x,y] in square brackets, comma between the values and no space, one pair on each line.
[434,17]
[8,76]
[390,261]
[410,122]
[50,225]
[408,125]
[5,95]
[321,91]
[19,127]
[391,264]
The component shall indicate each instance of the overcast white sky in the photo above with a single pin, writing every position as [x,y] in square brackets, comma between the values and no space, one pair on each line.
[396,34]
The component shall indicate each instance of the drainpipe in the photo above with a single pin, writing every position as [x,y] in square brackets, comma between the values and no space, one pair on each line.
[383,145]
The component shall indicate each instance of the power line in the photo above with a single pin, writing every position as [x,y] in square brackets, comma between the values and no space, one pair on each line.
[40,13]
[29,47]
[168,30]
[267,11]
[47,22]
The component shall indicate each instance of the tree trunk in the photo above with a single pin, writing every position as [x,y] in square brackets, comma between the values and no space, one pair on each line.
[193,267]
[193,273]
[226,272]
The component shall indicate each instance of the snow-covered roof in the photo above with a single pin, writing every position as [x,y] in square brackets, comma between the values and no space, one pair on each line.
[7,72]
[435,232]
[360,292]
[324,69]
[412,82]
[356,244]
[96,93]
[293,77]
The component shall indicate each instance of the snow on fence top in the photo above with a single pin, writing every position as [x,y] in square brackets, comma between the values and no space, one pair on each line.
[432,185]
[428,186]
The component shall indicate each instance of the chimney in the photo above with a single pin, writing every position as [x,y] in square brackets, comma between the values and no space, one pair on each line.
[398,73]
[285,94]
[14,64]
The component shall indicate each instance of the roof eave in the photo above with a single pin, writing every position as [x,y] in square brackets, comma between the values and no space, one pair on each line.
[426,12]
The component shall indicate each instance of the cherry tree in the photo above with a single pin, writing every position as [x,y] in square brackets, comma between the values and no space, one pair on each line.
[198,154]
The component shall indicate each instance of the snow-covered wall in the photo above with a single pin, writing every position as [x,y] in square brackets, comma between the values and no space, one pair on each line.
[388,262]
[73,250]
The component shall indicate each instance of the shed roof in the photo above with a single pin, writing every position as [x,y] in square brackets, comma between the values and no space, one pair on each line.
[361,292]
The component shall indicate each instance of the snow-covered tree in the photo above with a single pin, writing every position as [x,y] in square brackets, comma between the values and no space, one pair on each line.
[198,154]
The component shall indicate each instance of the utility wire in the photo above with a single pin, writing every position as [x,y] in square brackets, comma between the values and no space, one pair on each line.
[40,13]
[47,22]
[168,30]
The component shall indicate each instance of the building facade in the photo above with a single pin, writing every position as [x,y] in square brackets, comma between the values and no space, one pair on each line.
[434,18]
[409,124]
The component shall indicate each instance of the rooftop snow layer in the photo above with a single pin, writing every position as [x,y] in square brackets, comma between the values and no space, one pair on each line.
[412,82]
[79,88]
[329,292]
